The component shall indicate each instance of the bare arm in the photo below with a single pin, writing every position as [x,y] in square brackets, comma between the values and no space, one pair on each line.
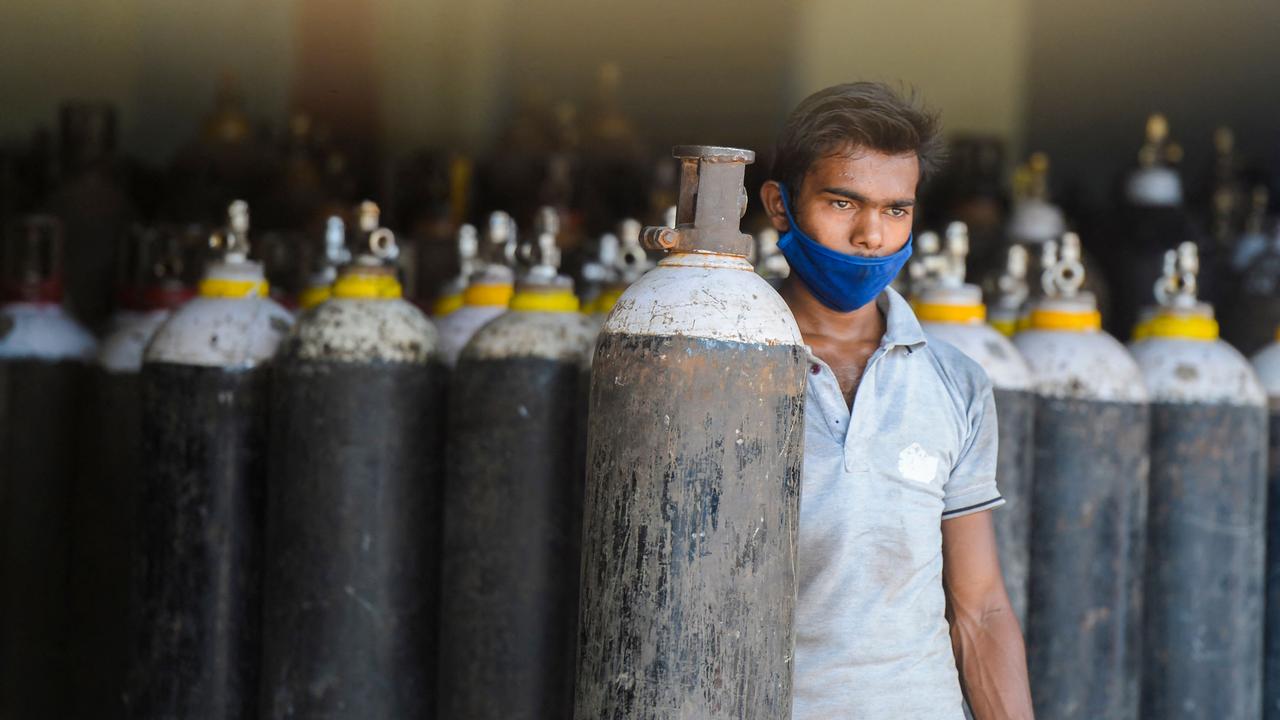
[985,634]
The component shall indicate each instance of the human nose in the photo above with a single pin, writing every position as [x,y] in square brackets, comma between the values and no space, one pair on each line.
[868,234]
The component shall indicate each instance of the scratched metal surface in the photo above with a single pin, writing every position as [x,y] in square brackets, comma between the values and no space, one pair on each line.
[1205,579]
[690,522]
[1088,525]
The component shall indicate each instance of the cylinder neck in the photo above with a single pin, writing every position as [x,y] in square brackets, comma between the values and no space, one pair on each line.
[710,205]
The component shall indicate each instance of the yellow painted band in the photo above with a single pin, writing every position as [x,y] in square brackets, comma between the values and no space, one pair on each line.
[1183,327]
[1141,331]
[1066,321]
[499,295]
[367,287]
[225,288]
[446,304]
[313,296]
[604,304]
[1007,328]
[555,301]
[951,314]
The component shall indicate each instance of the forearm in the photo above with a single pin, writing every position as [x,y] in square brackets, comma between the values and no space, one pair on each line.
[992,662]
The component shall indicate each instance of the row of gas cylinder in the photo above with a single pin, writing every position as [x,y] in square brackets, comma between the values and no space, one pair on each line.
[315,517]
[1134,543]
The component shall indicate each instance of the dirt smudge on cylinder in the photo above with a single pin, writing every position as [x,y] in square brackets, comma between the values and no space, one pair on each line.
[512,536]
[199,577]
[352,548]
[693,488]
[1089,507]
[1202,645]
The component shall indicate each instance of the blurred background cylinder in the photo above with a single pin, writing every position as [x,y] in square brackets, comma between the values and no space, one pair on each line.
[197,601]
[1206,538]
[693,475]
[156,263]
[353,502]
[952,311]
[1089,507]
[513,502]
[487,287]
[44,357]
[1267,364]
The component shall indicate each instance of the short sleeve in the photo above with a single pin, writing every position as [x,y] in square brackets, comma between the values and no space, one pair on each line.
[972,487]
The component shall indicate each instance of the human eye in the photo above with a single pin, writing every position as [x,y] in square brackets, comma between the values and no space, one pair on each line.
[841,204]
[898,212]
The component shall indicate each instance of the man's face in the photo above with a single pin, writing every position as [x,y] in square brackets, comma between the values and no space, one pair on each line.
[856,202]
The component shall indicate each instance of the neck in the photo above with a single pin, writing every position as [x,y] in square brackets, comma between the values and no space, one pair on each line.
[865,324]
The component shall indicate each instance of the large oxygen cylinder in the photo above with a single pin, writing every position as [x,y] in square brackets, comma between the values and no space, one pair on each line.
[106,504]
[693,476]
[513,505]
[1267,365]
[205,379]
[43,360]
[488,291]
[353,512]
[1206,538]
[952,311]
[1089,507]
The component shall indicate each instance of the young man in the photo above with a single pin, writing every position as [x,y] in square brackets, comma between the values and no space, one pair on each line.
[899,580]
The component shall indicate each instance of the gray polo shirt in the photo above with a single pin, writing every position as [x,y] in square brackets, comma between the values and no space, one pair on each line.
[872,639]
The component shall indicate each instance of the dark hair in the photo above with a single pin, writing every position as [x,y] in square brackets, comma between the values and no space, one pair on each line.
[867,115]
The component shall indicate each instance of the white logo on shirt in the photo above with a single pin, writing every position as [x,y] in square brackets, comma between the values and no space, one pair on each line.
[916,464]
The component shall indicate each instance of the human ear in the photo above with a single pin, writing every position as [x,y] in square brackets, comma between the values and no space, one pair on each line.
[771,198]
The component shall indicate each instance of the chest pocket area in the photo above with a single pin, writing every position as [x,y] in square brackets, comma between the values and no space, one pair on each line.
[909,437]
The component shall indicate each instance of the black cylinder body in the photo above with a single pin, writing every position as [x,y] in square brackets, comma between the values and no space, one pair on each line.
[200,574]
[1271,645]
[103,535]
[353,522]
[197,587]
[513,522]
[40,403]
[693,482]
[1085,589]
[1015,463]
[1204,590]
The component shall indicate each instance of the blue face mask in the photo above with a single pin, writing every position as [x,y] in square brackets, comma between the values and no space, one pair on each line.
[842,282]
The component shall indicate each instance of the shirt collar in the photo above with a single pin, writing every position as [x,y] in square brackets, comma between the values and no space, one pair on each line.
[900,324]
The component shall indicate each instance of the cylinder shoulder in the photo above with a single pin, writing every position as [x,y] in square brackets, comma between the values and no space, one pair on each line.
[221,332]
[698,297]
[1266,362]
[123,349]
[353,330]
[994,352]
[43,332]
[1187,371]
[557,336]
[1083,366]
